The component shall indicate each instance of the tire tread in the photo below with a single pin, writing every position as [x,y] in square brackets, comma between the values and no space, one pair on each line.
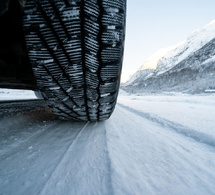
[76,50]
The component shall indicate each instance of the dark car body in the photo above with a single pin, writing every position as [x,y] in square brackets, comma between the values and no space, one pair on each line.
[15,68]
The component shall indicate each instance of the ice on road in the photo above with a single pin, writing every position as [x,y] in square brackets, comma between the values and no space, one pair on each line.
[150,145]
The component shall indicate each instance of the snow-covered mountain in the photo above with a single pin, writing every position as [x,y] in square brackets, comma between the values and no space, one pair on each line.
[187,67]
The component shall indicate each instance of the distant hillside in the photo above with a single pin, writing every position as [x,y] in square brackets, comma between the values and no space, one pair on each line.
[188,67]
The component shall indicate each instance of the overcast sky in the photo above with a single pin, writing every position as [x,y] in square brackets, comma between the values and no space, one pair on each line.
[155,24]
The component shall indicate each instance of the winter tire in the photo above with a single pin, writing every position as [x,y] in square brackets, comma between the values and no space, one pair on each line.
[76,51]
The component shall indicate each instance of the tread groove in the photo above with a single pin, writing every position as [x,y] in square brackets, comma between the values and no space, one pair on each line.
[99,53]
[82,15]
[47,19]
[52,3]
[54,79]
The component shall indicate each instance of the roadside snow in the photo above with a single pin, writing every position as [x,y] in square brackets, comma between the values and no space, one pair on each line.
[194,112]
[15,94]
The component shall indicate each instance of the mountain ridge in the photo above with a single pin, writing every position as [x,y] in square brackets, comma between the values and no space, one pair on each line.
[189,59]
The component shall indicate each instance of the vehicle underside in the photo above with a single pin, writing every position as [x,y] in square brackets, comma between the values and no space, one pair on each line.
[15,68]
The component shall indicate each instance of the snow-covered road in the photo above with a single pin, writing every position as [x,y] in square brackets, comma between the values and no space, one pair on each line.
[150,145]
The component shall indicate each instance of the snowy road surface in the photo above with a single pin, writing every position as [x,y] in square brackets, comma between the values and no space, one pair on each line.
[150,145]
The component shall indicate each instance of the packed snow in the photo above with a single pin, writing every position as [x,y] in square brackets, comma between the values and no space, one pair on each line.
[16,94]
[161,144]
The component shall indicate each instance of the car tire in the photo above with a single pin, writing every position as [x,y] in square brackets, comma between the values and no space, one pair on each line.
[76,51]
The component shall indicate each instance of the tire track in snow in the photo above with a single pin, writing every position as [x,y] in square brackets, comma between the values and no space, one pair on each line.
[183,130]
[63,156]
[85,166]
[109,163]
